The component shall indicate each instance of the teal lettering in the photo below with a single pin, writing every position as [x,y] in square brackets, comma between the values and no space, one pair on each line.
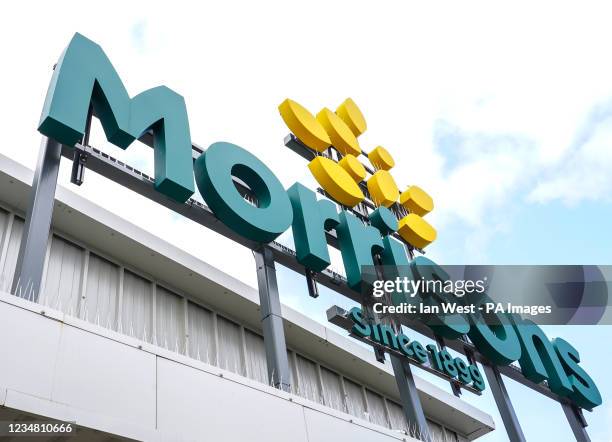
[263,222]
[85,75]
[495,338]
[388,337]
[384,220]
[360,326]
[358,244]
[403,341]
[311,218]
[450,326]
[539,360]
[584,391]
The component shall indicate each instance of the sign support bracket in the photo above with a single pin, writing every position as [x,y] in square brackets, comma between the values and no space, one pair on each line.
[504,405]
[80,157]
[33,247]
[577,422]
[409,394]
[272,320]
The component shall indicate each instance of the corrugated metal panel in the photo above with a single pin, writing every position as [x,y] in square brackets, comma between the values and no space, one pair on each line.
[137,307]
[376,409]
[451,436]
[201,333]
[256,357]
[332,390]
[292,371]
[354,399]
[230,346]
[169,320]
[62,286]
[14,241]
[4,219]
[437,432]
[101,291]
[396,416]
[308,381]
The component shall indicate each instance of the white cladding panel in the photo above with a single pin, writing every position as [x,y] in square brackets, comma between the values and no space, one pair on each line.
[105,377]
[30,348]
[325,428]
[195,406]
[103,383]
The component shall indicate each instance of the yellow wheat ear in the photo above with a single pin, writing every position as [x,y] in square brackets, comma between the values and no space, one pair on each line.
[382,188]
[336,181]
[304,125]
[340,180]
[416,231]
[381,159]
[416,200]
[352,116]
[339,133]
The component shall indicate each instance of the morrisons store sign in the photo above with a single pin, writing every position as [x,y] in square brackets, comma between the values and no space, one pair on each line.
[85,77]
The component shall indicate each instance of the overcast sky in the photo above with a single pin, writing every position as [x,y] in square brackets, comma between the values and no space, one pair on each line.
[502,113]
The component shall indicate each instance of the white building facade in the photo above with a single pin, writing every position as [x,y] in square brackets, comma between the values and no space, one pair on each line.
[134,339]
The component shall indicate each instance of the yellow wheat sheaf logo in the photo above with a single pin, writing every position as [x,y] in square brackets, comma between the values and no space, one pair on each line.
[343,180]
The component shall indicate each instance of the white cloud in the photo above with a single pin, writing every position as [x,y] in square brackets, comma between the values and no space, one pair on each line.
[583,173]
[606,434]
[512,82]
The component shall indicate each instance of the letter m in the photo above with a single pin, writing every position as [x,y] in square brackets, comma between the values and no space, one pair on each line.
[85,75]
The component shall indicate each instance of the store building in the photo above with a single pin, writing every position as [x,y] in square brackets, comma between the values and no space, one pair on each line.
[132,338]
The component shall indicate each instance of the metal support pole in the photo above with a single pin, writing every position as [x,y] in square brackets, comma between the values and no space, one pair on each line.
[31,258]
[272,320]
[409,396]
[442,346]
[577,422]
[504,405]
